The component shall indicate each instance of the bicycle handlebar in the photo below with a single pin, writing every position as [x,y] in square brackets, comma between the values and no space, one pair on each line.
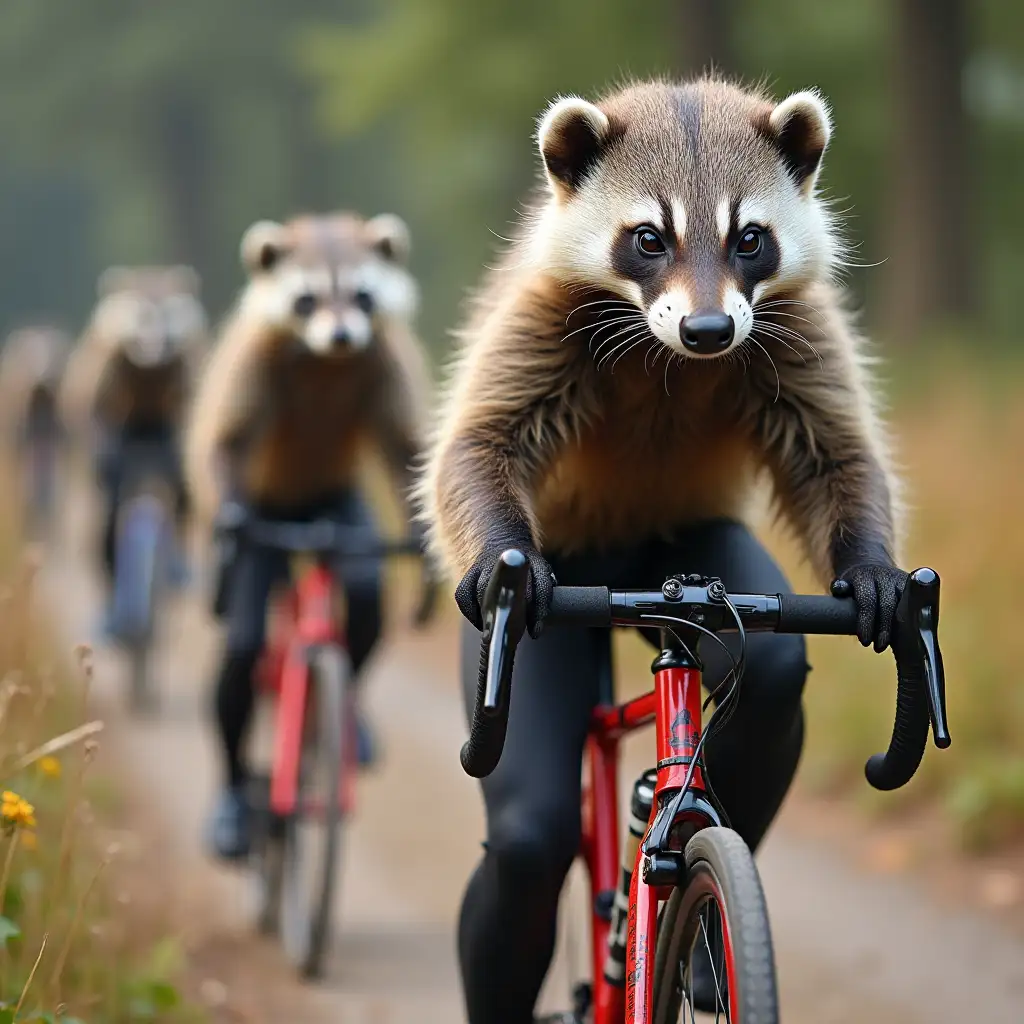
[320,537]
[315,537]
[920,681]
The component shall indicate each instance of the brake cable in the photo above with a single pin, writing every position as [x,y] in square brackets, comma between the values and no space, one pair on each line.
[720,717]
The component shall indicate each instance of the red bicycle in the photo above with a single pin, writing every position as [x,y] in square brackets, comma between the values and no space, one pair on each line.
[686,885]
[302,803]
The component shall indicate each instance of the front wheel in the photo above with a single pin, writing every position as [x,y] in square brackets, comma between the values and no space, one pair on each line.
[714,951]
[313,834]
[138,576]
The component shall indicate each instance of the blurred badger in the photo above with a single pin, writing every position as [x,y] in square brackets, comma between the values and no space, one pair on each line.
[129,380]
[31,367]
[317,366]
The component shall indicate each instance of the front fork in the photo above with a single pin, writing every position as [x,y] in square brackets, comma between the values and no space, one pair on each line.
[653,861]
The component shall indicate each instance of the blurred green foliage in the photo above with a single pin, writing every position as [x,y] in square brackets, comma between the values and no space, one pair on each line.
[159,131]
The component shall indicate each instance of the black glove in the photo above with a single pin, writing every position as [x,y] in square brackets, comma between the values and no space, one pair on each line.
[470,592]
[877,590]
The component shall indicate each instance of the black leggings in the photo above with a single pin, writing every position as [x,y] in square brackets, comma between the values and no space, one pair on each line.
[251,579]
[508,920]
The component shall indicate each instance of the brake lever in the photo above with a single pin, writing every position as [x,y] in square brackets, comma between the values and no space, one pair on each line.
[919,610]
[505,604]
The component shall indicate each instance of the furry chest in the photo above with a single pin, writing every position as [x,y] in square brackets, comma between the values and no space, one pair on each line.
[609,489]
[312,437]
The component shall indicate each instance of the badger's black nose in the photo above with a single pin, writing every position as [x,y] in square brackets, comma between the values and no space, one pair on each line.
[340,338]
[707,333]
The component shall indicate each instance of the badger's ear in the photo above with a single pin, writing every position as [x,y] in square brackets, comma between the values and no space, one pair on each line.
[115,279]
[389,236]
[571,136]
[263,244]
[801,127]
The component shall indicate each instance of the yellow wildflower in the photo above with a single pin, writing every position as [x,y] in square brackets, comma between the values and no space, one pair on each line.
[50,767]
[17,811]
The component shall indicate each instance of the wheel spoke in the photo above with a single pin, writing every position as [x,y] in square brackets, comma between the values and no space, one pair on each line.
[719,913]
[711,960]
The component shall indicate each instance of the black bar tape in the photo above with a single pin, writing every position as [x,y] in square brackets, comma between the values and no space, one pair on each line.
[809,613]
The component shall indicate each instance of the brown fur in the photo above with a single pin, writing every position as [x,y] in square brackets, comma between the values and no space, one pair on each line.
[289,425]
[536,443]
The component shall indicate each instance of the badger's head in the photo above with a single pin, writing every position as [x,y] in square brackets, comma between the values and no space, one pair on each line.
[151,314]
[694,203]
[36,353]
[329,282]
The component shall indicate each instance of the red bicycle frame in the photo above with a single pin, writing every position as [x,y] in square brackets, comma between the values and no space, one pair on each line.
[674,707]
[307,620]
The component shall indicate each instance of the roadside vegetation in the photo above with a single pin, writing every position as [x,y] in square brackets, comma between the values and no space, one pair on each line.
[74,945]
[960,437]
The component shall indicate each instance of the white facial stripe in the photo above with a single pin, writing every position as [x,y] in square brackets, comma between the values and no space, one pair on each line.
[752,211]
[393,289]
[722,218]
[735,304]
[679,220]
[801,230]
[319,331]
[574,240]
[666,314]
[644,212]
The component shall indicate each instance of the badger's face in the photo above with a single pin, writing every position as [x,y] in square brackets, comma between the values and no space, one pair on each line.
[152,314]
[329,282]
[695,204]
[37,352]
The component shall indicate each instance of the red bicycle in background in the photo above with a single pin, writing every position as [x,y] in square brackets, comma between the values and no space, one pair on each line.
[685,883]
[303,802]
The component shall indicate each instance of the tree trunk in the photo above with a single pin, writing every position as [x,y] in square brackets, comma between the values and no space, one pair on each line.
[930,277]
[705,28]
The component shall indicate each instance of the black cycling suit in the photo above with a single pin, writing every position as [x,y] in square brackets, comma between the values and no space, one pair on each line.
[508,920]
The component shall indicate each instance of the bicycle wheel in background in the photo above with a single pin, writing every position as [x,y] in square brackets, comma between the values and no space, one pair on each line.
[721,914]
[267,858]
[141,535]
[313,834]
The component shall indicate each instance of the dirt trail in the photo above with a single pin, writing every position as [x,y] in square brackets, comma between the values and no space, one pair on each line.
[850,947]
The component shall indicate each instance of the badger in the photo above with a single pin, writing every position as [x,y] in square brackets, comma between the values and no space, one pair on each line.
[138,354]
[665,333]
[317,366]
[126,388]
[317,363]
[666,327]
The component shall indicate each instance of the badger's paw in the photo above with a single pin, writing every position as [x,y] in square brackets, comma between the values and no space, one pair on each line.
[469,594]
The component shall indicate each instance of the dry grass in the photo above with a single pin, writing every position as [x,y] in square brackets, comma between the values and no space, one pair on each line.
[71,946]
[961,440]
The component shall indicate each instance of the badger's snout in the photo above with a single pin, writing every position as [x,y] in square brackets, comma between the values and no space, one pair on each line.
[707,334]
[341,338]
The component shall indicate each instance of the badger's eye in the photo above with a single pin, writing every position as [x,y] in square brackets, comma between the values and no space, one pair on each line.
[648,242]
[750,243]
[304,304]
[364,300]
